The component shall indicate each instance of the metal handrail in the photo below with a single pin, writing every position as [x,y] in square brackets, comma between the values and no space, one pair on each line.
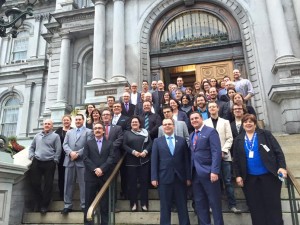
[100,194]
[292,185]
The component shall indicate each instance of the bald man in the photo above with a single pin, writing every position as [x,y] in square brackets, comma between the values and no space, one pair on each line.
[44,153]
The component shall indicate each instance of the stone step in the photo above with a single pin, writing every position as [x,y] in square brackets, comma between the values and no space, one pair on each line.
[125,218]
[154,206]
[153,193]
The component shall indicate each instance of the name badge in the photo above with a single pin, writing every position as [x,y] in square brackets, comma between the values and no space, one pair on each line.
[265,147]
[251,154]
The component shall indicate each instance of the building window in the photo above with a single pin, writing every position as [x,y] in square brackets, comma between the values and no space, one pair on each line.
[20,47]
[193,28]
[84,3]
[10,115]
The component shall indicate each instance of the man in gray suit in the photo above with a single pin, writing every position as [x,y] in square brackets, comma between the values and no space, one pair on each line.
[180,129]
[73,146]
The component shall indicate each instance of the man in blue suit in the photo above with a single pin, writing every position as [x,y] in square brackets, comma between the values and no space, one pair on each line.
[170,172]
[206,158]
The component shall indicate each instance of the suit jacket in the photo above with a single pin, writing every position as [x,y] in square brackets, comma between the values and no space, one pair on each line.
[164,165]
[206,155]
[225,134]
[93,159]
[130,112]
[234,131]
[123,122]
[71,143]
[154,123]
[180,130]
[115,135]
[272,160]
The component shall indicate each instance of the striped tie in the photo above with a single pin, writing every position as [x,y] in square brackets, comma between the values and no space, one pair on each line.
[147,121]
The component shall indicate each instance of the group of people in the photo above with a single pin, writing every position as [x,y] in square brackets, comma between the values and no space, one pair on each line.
[173,139]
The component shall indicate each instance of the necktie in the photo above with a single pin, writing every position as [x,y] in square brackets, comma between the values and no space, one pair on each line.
[77,133]
[106,132]
[197,132]
[170,144]
[147,121]
[126,107]
[99,144]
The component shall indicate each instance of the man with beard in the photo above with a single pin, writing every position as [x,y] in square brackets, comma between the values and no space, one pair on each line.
[201,106]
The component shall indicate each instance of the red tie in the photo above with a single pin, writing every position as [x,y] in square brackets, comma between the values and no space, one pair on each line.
[196,138]
[106,132]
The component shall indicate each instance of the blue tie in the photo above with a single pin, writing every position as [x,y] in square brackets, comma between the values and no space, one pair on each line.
[170,144]
[147,121]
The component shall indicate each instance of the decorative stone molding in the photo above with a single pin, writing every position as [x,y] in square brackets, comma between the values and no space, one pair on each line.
[42,16]
[10,92]
[239,13]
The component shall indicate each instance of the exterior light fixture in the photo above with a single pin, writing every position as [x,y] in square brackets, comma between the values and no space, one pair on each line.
[15,17]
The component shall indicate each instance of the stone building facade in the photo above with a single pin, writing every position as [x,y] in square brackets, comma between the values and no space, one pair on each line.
[73,52]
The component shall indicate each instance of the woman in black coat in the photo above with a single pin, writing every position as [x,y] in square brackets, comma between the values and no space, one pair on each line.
[258,162]
[137,143]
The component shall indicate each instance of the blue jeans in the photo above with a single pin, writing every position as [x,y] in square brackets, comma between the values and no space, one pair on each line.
[226,176]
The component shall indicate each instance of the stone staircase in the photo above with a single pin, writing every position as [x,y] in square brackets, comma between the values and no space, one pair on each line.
[289,143]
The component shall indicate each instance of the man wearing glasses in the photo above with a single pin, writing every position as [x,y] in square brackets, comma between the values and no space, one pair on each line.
[180,128]
[98,157]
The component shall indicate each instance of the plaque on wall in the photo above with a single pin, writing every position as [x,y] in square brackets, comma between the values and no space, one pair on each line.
[106,92]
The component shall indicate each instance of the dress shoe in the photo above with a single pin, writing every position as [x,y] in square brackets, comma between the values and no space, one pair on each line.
[65,211]
[44,210]
[144,208]
[235,210]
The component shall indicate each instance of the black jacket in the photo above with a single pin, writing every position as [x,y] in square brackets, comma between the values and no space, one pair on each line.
[272,160]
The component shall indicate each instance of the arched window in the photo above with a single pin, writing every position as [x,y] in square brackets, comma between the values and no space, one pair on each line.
[20,47]
[193,28]
[10,115]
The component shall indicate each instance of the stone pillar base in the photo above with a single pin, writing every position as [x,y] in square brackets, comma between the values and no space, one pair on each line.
[97,93]
[58,111]
[287,92]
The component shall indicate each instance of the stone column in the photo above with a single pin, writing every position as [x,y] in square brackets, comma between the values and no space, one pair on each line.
[61,107]
[64,70]
[279,30]
[118,42]
[99,43]
[26,110]
[297,12]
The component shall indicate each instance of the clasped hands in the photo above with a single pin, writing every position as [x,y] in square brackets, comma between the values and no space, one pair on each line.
[98,172]
[140,154]
[73,155]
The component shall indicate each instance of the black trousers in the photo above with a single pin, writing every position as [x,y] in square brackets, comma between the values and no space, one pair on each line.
[135,175]
[91,190]
[61,179]
[263,198]
[38,170]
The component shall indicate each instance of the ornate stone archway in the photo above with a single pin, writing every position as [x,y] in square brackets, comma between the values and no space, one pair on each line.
[159,8]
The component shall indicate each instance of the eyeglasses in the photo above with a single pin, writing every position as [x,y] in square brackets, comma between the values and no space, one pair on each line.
[117,106]
[106,114]
[165,112]
[168,124]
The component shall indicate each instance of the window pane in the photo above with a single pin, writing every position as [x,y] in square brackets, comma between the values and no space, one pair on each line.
[20,46]
[10,117]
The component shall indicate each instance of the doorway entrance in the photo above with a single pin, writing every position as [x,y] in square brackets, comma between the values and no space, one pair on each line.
[197,72]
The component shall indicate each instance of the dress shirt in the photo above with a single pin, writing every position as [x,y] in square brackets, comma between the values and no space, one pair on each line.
[99,144]
[116,119]
[133,98]
[173,139]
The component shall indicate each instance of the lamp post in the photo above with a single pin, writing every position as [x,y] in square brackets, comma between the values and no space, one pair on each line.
[15,18]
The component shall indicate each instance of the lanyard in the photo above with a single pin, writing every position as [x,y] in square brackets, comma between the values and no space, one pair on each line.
[250,144]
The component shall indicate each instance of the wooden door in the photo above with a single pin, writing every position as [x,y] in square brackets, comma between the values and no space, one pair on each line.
[215,70]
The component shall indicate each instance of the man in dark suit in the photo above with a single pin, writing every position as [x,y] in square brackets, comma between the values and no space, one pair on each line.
[127,107]
[114,133]
[206,158]
[170,172]
[150,121]
[118,118]
[98,157]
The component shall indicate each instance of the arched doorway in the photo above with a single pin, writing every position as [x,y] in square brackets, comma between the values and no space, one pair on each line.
[202,41]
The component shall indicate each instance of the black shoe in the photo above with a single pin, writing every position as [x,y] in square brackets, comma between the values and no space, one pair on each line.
[65,211]
[44,210]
